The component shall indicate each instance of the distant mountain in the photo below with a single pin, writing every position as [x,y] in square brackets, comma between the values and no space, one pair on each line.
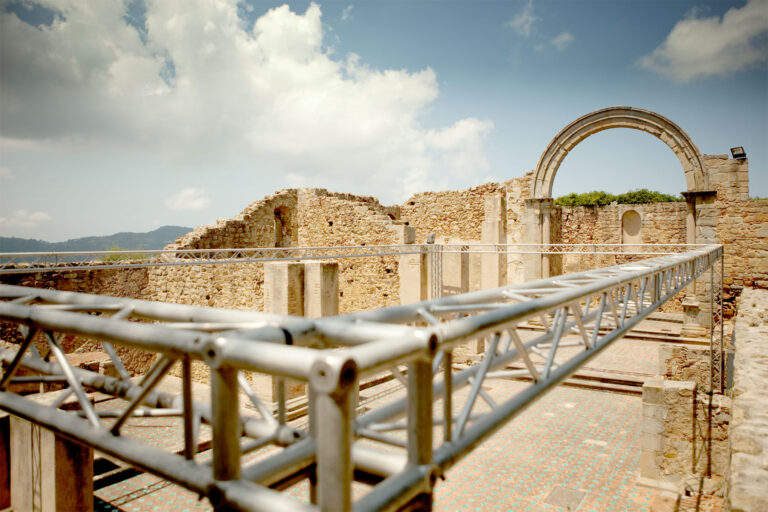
[156,239]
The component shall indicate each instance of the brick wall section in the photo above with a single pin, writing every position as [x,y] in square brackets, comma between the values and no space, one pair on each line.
[748,477]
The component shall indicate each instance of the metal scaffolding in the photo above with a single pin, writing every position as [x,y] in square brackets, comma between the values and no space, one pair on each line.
[399,449]
[25,262]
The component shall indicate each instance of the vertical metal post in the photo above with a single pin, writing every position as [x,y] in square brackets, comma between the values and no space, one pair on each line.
[420,422]
[186,381]
[332,382]
[448,396]
[723,364]
[226,423]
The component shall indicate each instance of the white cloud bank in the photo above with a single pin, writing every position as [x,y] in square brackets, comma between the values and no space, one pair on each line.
[188,199]
[25,219]
[700,47]
[200,87]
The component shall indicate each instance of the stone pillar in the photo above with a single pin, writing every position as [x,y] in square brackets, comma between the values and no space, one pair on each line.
[691,326]
[284,295]
[494,231]
[413,271]
[321,288]
[48,472]
[456,269]
[702,213]
[537,223]
[284,288]
[652,429]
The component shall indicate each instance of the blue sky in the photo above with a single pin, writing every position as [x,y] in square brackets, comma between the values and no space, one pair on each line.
[127,116]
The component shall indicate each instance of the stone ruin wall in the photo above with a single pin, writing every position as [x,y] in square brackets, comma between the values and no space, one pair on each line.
[309,218]
[316,217]
[660,223]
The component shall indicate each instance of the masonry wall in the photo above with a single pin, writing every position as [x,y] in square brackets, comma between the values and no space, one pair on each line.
[129,283]
[748,473]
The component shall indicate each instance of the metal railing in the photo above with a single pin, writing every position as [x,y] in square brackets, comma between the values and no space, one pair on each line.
[401,448]
[25,262]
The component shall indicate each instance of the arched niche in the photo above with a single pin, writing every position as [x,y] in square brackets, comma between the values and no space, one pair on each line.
[631,227]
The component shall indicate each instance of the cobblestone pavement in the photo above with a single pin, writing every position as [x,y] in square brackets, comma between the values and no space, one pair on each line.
[574,449]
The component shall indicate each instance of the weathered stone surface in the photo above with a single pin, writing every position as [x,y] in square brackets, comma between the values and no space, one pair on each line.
[748,476]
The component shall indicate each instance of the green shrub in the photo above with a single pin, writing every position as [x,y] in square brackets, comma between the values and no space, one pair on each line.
[602,198]
[645,196]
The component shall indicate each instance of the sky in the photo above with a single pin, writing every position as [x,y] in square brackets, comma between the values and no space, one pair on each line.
[129,115]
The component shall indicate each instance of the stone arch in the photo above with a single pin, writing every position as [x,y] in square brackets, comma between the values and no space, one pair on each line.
[619,117]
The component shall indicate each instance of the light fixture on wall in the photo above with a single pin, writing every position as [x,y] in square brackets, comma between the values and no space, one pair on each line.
[738,152]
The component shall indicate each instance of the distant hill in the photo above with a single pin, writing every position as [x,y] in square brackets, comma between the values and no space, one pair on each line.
[156,239]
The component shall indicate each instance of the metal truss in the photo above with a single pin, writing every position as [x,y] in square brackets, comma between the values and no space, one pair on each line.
[718,377]
[25,262]
[398,449]
[20,262]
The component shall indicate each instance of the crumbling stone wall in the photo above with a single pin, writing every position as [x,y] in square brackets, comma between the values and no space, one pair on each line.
[685,433]
[289,218]
[748,472]
[330,219]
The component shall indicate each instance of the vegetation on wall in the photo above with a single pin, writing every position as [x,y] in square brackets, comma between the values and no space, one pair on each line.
[602,198]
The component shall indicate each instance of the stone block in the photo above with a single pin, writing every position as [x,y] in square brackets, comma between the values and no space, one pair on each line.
[284,288]
[653,391]
[413,278]
[321,288]
[651,442]
[48,472]
[649,468]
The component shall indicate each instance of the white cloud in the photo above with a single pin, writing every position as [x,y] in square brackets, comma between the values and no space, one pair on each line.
[5,173]
[523,21]
[346,14]
[699,47]
[202,89]
[563,40]
[25,219]
[188,199]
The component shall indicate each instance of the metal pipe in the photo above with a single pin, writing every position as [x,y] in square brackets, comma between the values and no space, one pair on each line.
[225,424]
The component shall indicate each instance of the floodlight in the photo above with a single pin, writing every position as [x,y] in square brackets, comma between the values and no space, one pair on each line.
[738,152]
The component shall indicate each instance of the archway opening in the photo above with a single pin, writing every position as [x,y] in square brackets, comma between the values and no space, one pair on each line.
[618,161]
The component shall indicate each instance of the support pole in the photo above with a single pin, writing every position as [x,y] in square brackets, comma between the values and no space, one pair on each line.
[332,382]
[420,425]
[226,424]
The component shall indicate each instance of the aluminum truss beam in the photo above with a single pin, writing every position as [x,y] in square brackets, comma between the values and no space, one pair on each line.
[25,262]
[332,355]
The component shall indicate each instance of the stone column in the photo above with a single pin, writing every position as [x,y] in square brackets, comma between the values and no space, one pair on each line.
[536,220]
[284,295]
[702,213]
[48,472]
[321,288]
[494,231]
[284,288]
[413,271]
[456,269]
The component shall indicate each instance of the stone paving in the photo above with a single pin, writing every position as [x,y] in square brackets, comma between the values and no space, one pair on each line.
[574,449]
